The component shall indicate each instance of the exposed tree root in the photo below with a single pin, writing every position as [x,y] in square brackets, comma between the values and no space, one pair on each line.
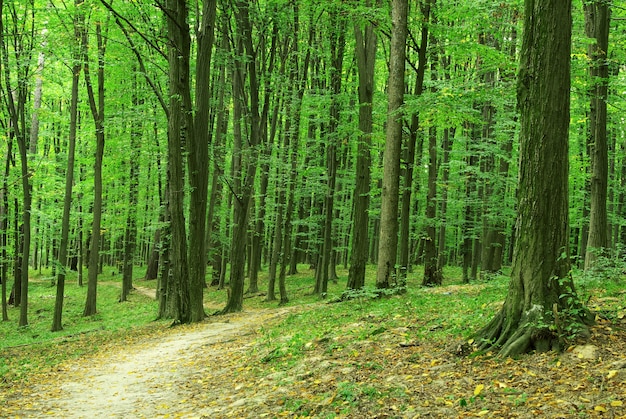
[531,332]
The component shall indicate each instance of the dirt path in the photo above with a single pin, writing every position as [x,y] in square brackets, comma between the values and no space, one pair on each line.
[152,379]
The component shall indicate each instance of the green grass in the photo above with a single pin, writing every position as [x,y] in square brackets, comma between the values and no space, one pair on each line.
[27,350]
[438,314]
[449,312]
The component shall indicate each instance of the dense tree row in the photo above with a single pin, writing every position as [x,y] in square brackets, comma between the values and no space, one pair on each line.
[229,137]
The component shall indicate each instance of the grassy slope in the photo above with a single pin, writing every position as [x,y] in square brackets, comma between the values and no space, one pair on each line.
[338,360]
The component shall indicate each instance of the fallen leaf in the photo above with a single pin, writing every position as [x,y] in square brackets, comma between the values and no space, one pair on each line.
[478,389]
[617,403]
[600,408]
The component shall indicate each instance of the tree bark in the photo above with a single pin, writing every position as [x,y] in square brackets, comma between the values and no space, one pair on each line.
[243,198]
[57,323]
[541,301]
[15,98]
[597,17]
[130,232]
[97,112]
[366,58]
[198,161]
[413,149]
[178,304]
[388,241]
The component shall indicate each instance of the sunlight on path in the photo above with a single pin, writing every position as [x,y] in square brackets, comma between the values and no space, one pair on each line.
[143,380]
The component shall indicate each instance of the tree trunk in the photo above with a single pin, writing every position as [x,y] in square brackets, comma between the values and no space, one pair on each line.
[198,160]
[446,145]
[178,303]
[366,58]
[597,17]
[4,227]
[57,323]
[243,198]
[130,232]
[97,112]
[388,241]
[15,98]
[413,149]
[337,47]
[432,273]
[541,302]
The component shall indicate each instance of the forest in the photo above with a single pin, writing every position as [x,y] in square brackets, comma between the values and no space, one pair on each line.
[198,144]
[329,209]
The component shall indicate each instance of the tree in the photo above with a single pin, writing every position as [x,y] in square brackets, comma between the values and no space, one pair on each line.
[243,198]
[179,46]
[337,49]
[388,241]
[541,300]
[365,52]
[78,27]
[20,34]
[414,147]
[96,105]
[597,17]
[130,231]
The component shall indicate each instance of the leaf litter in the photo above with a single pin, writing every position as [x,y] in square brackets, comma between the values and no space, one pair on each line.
[227,367]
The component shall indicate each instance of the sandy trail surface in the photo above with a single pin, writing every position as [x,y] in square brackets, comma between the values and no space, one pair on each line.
[152,378]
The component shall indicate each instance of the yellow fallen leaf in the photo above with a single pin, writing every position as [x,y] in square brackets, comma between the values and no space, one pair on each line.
[600,408]
[617,403]
[584,399]
[478,389]
[483,412]
[558,363]
[611,374]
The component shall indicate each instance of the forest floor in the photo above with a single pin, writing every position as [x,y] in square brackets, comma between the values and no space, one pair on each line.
[367,363]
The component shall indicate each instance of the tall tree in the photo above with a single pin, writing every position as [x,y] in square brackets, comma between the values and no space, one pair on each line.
[597,17]
[243,197]
[365,52]
[78,26]
[413,148]
[179,46]
[337,50]
[541,300]
[130,231]
[4,224]
[96,105]
[198,160]
[388,241]
[20,34]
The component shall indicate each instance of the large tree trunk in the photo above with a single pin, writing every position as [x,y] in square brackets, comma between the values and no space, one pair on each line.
[541,302]
[597,16]
[388,241]
[243,198]
[178,304]
[366,58]
[198,161]
[413,149]
[337,47]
